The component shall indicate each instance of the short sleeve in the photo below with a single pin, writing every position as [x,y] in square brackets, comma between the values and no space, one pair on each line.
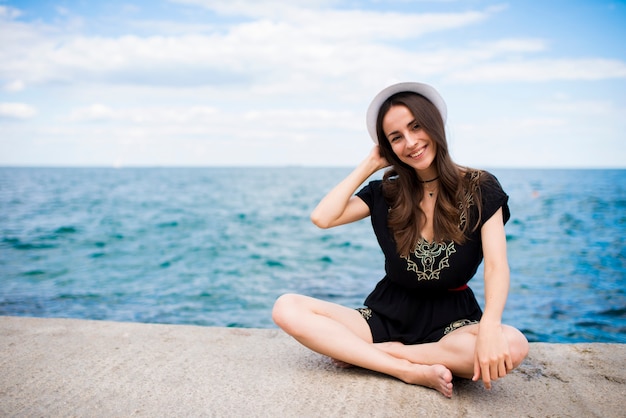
[369,192]
[493,198]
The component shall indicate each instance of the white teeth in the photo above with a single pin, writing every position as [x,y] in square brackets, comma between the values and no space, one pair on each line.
[417,154]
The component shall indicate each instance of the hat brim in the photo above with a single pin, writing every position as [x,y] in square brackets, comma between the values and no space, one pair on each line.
[420,88]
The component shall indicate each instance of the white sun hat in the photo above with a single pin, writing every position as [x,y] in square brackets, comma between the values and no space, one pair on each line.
[420,88]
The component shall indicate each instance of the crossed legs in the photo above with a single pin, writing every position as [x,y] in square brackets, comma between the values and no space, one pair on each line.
[342,334]
[456,350]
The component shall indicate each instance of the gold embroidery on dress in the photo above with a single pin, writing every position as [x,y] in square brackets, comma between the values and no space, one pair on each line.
[458,324]
[426,254]
[365,313]
[468,199]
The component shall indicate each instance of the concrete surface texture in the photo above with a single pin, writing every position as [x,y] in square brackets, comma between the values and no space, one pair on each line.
[64,367]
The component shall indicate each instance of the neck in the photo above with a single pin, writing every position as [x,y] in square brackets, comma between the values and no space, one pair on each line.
[430,187]
[430,180]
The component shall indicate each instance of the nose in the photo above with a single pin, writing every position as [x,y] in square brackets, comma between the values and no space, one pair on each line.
[411,140]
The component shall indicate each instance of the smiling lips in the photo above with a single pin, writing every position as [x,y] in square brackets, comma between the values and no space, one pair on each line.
[418,153]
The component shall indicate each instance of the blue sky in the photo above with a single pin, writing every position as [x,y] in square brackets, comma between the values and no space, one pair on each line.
[269,82]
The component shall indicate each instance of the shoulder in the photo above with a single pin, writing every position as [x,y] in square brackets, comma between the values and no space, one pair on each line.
[489,184]
[492,195]
[371,192]
[481,181]
[372,186]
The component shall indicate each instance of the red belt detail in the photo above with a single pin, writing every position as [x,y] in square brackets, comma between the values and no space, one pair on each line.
[458,289]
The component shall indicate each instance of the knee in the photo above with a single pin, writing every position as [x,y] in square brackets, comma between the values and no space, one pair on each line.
[518,346]
[285,311]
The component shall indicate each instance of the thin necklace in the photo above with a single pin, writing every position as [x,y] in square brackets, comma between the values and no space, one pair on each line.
[430,193]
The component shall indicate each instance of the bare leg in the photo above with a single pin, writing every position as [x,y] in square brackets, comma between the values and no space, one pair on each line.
[341,364]
[456,350]
[342,334]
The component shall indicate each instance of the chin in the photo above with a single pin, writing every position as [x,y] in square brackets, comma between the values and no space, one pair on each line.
[420,165]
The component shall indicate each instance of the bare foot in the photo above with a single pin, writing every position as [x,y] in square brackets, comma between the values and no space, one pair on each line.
[437,377]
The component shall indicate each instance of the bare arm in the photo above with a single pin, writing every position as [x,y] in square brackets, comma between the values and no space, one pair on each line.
[492,357]
[340,206]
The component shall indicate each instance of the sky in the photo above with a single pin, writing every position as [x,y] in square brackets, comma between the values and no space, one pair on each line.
[287,83]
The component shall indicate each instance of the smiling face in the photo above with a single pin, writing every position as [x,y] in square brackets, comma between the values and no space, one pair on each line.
[409,141]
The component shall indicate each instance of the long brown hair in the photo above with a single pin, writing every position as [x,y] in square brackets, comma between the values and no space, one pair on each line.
[404,191]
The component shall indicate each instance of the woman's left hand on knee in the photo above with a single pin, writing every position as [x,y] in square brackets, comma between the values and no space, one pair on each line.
[492,358]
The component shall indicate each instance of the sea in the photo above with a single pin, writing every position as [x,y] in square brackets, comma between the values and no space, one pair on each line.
[217,246]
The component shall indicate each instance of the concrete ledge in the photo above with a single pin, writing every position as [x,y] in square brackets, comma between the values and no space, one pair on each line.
[62,367]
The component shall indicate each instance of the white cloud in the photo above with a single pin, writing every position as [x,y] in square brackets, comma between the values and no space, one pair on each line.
[17,111]
[95,112]
[511,45]
[163,115]
[14,86]
[308,43]
[257,8]
[321,42]
[584,69]
[284,82]
[376,26]
[316,20]
[212,122]
[547,134]
[578,107]
[9,13]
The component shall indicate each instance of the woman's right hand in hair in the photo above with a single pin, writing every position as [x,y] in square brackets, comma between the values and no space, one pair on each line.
[340,206]
[377,159]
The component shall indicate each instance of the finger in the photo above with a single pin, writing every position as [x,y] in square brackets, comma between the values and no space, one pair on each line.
[476,370]
[494,371]
[502,369]
[509,363]
[486,376]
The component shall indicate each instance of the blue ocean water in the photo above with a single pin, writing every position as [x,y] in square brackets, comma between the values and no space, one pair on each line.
[217,246]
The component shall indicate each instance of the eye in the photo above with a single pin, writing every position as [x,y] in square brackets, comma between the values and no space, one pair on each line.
[395,138]
[417,127]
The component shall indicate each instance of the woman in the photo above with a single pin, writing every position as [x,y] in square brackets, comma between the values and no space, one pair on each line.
[435,222]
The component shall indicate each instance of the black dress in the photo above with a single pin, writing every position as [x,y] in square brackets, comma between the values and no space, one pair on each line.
[425,296]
